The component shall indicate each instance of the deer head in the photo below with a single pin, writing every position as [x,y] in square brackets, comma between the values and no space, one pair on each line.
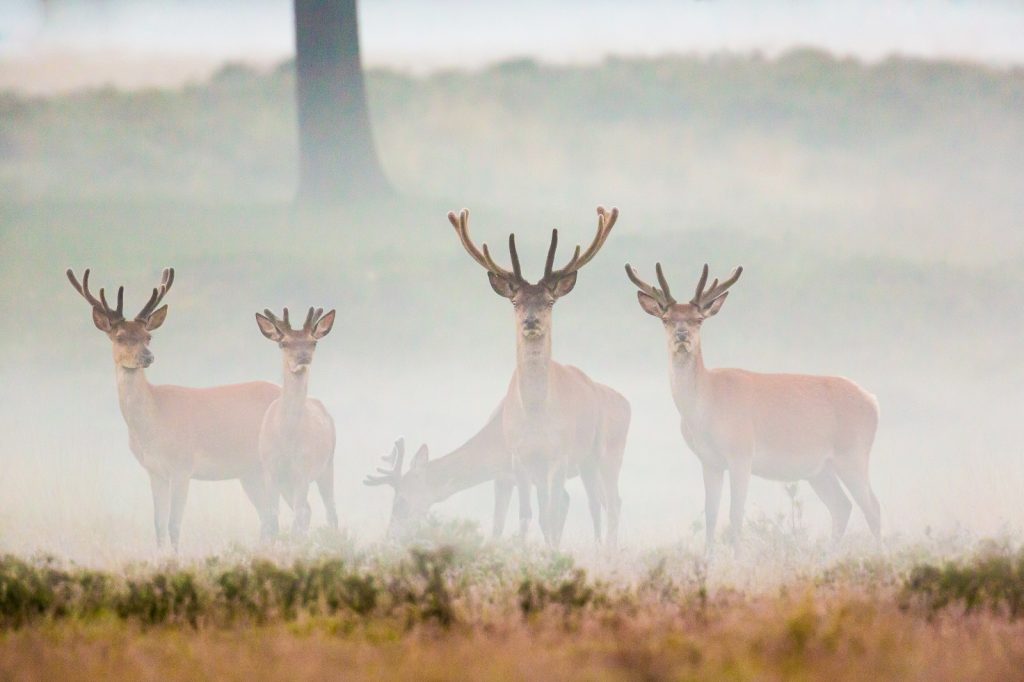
[682,321]
[413,495]
[533,302]
[130,337]
[298,344]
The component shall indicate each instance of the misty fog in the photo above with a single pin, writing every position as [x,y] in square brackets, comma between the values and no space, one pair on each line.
[875,206]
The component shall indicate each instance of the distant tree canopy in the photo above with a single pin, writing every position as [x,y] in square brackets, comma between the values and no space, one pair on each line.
[337,156]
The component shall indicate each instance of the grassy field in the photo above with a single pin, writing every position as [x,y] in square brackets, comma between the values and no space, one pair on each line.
[484,611]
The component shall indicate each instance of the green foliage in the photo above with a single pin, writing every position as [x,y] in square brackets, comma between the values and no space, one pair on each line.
[992,580]
[30,590]
[433,600]
[571,594]
[258,591]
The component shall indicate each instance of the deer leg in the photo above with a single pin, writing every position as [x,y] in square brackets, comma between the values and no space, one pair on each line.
[559,507]
[161,489]
[609,481]
[613,504]
[275,486]
[179,494]
[827,487]
[502,498]
[300,503]
[591,485]
[860,489]
[255,488]
[739,480]
[713,479]
[544,511]
[525,509]
[325,484]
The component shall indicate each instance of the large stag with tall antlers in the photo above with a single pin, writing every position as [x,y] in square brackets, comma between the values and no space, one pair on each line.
[297,434]
[178,433]
[785,427]
[556,422]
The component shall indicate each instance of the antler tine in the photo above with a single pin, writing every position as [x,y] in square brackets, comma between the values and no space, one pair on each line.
[392,475]
[82,289]
[550,262]
[113,314]
[605,222]
[312,318]
[699,291]
[283,325]
[100,303]
[717,290]
[461,224]
[664,285]
[166,280]
[663,299]
[513,253]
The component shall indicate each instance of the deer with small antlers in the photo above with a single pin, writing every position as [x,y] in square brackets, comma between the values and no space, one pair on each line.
[482,458]
[556,422]
[296,440]
[177,433]
[784,427]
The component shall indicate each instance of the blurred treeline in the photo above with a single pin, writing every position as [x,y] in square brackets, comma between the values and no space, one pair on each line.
[805,142]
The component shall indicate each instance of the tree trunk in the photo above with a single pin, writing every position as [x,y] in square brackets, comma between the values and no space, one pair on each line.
[337,157]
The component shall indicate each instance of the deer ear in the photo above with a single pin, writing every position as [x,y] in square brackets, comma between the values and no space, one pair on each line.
[421,458]
[323,327]
[716,305]
[564,285]
[101,321]
[268,328]
[650,306]
[156,318]
[501,286]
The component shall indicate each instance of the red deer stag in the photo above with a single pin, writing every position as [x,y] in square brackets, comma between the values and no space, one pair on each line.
[177,433]
[784,427]
[296,441]
[555,421]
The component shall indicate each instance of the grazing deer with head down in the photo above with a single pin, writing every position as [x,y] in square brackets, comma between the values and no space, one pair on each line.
[178,433]
[779,426]
[556,422]
[296,440]
[482,458]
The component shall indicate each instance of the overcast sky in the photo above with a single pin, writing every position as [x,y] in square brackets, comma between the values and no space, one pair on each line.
[424,34]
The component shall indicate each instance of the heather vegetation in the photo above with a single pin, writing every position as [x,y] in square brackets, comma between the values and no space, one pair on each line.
[421,611]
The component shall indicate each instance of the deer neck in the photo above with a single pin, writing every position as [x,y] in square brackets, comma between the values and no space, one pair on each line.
[460,469]
[294,389]
[482,458]
[689,378]
[533,370]
[135,396]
